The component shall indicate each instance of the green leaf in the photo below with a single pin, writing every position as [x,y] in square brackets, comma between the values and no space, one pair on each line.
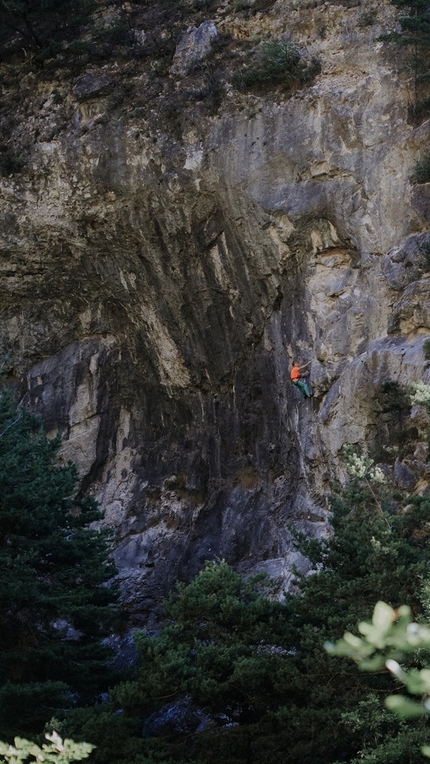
[418,682]
[383,616]
[404,707]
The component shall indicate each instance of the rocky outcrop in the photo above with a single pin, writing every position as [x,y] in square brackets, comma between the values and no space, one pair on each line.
[156,287]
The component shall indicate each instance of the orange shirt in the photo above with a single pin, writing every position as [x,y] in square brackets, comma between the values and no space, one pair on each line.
[295,373]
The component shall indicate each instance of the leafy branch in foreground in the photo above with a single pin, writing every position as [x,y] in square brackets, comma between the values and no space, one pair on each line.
[57,750]
[385,641]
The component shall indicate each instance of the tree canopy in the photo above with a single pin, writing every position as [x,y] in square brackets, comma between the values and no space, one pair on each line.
[41,23]
[55,596]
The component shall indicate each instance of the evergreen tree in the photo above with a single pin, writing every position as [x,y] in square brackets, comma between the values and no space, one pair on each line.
[389,637]
[258,667]
[379,549]
[55,597]
[222,643]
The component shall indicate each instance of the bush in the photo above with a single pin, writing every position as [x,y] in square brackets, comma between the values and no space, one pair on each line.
[366,19]
[41,25]
[421,173]
[277,63]
[10,162]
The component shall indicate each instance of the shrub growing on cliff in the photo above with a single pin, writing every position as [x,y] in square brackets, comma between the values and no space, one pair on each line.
[55,605]
[41,24]
[421,173]
[414,37]
[277,63]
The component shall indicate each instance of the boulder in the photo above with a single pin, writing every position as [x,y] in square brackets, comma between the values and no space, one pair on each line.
[176,719]
[91,85]
[193,46]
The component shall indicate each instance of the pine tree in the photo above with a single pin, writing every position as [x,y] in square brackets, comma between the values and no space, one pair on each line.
[258,667]
[379,550]
[218,644]
[56,603]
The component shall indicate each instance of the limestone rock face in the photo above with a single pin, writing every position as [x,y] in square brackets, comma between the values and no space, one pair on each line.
[193,47]
[156,287]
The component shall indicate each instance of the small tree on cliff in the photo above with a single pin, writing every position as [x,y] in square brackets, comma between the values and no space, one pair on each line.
[40,23]
[414,36]
[55,601]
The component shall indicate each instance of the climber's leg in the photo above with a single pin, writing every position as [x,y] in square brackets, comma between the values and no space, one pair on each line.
[304,388]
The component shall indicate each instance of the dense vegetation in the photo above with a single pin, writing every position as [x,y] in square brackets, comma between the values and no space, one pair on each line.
[55,597]
[277,63]
[414,36]
[234,676]
[390,636]
[42,24]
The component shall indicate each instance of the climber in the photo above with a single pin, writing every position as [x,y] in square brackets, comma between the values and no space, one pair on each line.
[296,379]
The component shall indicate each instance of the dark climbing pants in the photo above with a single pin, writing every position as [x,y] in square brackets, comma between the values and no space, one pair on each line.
[304,388]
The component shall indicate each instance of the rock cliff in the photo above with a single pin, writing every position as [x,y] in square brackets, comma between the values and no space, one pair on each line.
[163,261]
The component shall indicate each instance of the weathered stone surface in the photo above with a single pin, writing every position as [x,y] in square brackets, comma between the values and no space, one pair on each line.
[156,284]
[411,313]
[403,476]
[177,719]
[193,46]
[91,85]
[421,200]
[409,262]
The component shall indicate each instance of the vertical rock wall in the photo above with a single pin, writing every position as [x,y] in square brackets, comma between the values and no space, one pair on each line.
[155,291]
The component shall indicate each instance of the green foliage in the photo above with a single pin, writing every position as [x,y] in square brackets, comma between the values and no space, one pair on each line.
[421,173]
[385,640]
[56,750]
[10,162]
[371,721]
[55,604]
[420,393]
[117,736]
[414,37]
[379,544]
[41,24]
[414,20]
[215,648]
[256,668]
[277,63]
[251,7]
[394,437]
[424,250]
